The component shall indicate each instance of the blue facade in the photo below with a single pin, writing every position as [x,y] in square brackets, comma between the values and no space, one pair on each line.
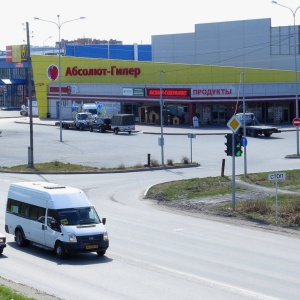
[119,52]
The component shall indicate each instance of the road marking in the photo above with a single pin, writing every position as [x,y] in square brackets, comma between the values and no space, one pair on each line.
[201,280]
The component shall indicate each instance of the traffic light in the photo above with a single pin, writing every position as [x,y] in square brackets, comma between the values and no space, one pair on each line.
[228,144]
[238,145]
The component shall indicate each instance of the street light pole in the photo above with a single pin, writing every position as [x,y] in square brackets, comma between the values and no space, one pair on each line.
[296,69]
[161,120]
[59,25]
[44,43]
[29,75]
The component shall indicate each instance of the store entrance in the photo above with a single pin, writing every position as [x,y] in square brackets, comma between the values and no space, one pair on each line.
[220,114]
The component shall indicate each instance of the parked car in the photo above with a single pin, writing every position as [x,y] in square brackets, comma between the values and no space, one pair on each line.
[101,124]
[2,242]
[122,123]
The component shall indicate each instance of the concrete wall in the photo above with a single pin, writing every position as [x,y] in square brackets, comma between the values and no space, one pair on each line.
[246,43]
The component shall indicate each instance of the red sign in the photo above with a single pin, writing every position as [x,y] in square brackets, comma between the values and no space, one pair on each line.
[52,72]
[296,122]
[169,92]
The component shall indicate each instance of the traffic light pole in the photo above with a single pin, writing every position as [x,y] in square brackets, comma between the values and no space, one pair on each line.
[233,172]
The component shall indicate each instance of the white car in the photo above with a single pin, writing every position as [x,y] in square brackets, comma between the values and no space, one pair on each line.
[2,242]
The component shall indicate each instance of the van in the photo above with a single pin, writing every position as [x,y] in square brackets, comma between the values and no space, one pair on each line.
[123,123]
[91,108]
[54,217]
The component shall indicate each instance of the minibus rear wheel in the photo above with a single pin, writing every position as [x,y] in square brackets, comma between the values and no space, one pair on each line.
[21,241]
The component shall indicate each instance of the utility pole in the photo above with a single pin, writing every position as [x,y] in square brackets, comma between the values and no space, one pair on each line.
[29,84]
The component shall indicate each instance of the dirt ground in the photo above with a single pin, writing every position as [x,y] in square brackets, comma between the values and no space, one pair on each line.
[206,208]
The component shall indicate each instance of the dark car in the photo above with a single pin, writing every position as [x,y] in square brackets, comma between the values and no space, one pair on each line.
[2,242]
[101,124]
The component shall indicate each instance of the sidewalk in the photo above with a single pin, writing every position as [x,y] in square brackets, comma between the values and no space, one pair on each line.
[146,129]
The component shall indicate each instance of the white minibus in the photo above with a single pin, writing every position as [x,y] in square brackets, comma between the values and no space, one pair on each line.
[54,217]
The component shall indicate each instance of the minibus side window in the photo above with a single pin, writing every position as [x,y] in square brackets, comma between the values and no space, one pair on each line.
[36,212]
[25,210]
[13,206]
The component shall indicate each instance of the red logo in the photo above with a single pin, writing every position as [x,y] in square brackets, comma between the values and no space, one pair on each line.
[52,72]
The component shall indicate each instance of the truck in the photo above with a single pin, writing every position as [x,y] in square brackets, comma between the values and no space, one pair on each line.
[81,121]
[122,123]
[91,108]
[253,127]
[54,217]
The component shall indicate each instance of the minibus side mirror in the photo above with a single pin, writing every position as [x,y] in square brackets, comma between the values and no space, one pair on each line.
[103,221]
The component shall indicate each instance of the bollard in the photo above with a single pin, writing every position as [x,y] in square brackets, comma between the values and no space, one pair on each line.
[223,167]
[148,163]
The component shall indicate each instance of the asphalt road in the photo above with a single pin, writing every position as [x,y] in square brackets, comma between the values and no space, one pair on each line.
[154,253]
[111,151]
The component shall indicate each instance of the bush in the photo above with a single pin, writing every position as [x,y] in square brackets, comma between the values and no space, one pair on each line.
[170,162]
[154,163]
[185,160]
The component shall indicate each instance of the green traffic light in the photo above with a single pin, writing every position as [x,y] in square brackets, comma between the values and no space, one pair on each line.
[238,148]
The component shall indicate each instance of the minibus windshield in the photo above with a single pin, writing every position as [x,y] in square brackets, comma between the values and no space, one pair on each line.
[78,216]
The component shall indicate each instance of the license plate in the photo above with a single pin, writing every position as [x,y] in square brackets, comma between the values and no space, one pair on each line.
[91,247]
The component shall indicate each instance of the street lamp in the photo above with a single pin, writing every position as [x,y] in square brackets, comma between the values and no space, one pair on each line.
[161,120]
[296,71]
[59,25]
[44,43]
[29,76]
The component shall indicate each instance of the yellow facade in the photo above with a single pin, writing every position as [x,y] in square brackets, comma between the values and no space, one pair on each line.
[86,70]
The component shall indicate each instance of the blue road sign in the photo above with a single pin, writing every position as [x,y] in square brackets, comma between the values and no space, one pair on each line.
[244,141]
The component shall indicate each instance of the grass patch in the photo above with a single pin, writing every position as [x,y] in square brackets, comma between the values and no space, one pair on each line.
[292,181]
[8,294]
[57,167]
[191,188]
[51,167]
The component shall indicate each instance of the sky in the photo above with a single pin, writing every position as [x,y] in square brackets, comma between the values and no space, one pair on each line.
[129,21]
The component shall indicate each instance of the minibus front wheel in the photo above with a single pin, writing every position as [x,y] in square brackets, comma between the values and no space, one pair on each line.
[60,250]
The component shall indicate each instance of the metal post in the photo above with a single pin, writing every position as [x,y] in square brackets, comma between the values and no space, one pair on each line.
[59,80]
[191,150]
[276,204]
[296,82]
[29,74]
[161,121]
[244,124]
[233,171]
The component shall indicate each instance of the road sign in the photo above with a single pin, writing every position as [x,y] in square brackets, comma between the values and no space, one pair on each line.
[244,141]
[234,124]
[276,176]
[296,122]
